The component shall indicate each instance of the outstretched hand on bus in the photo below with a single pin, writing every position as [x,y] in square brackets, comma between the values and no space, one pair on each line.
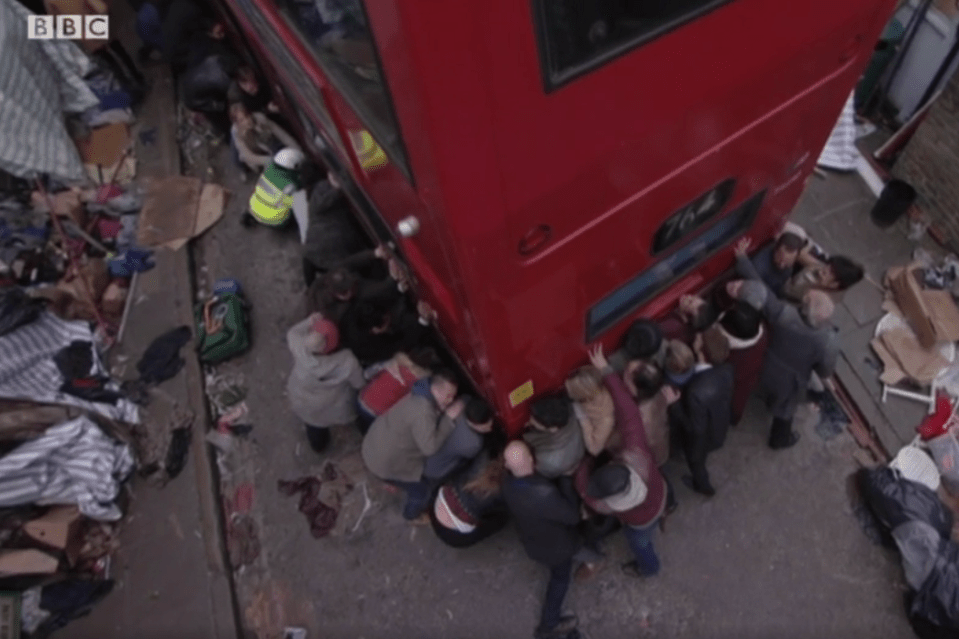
[742,246]
[597,358]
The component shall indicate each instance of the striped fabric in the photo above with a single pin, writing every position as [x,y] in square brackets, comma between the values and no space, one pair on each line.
[840,152]
[39,80]
[27,369]
[71,463]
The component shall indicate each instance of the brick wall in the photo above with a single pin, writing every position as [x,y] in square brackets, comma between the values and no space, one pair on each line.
[930,162]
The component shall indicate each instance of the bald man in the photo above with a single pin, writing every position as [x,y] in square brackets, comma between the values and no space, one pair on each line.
[801,341]
[546,520]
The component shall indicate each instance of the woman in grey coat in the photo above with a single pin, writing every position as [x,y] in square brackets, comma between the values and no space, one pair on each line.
[323,384]
[801,341]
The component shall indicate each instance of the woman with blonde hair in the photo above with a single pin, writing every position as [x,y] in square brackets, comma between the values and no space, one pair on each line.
[594,409]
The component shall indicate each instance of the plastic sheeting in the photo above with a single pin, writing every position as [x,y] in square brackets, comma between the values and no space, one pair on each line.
[71,463]
[840,152]
[39,81]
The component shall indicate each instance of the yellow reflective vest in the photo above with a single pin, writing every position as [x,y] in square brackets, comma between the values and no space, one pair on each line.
[269,204]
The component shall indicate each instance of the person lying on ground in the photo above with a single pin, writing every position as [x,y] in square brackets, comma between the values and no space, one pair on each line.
[836,273]
[322,386]
[629,486]
[777,262]
[398,442]
[693,314]
[246,89]
[547,521]
[345,284]
[394,381]
[256,138]
[554,435]
[801,341]
[701,415]
[593,406]
[376,329]
[469,506]
[748,338]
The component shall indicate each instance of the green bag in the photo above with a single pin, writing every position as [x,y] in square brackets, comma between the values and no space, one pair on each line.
[228,312]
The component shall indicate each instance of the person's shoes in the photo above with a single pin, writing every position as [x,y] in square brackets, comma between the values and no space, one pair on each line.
[705,489]
[586,571]
[631,569]
[567,625]
[248,221]
[788,442]
[422,520]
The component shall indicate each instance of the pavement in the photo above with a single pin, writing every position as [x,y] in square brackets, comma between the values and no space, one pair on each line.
[835,211]
[777,552]
[171,576]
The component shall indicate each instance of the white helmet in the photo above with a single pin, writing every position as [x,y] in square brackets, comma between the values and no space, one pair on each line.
[288,158]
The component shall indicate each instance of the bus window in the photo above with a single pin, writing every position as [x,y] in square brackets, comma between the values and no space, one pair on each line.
[579,35]
[338,33]
[641,289]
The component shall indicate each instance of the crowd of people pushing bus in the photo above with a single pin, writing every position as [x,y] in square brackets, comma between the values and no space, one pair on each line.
[588,462]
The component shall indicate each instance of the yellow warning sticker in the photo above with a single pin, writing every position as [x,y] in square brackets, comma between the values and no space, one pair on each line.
[521,394]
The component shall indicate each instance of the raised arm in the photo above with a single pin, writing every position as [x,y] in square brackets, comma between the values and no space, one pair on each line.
[629,422]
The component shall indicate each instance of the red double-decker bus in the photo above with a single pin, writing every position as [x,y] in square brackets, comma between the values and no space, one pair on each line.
[551,169]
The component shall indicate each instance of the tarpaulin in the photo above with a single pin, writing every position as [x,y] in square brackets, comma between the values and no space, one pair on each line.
[71,463]
[28,370]
[39,81]
[840,152]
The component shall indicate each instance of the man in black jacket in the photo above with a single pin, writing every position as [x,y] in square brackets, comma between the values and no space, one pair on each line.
[546,520]
[701,415]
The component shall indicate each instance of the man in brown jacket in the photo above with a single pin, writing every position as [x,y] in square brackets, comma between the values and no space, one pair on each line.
[399,441]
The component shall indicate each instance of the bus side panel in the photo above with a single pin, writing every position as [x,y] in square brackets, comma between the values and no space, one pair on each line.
[545,299]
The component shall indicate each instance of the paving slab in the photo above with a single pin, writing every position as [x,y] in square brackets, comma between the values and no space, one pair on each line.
[840,222]
[172,580]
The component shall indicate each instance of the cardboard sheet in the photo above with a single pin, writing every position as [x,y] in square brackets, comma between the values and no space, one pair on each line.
[177,209]
[105,146]
[56,527]
[931,314]
[914,361]
[27,562]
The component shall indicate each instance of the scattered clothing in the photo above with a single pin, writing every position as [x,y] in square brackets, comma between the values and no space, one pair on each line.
[71,463]
[28,370]
[17,309]
[76,363]
[39,81]
[320,516]
[162,360]
[68,600]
